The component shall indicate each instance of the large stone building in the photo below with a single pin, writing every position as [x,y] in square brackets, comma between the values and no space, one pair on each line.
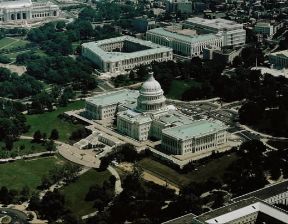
[26,11]
[196,34]
[247,211]
[144,114]
[279,59]
[124,53]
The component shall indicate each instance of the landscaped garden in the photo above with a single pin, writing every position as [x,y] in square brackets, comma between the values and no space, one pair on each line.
[75,192]
[16,175]
[21,147]
[49,120]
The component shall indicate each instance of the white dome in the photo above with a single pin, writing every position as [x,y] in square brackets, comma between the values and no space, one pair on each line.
[151,87]
[151,96]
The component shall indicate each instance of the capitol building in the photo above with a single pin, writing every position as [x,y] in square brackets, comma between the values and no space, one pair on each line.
[19,11]
[144,115]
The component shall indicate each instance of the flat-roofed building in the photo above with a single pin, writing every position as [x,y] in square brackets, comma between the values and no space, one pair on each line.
[247,211]
[232,32]
[199,137]
[184,42]
[265,29]
[124,53]
[26,10]
[206,32]
[273,194]
[105,106]
[279,59]
[144,114]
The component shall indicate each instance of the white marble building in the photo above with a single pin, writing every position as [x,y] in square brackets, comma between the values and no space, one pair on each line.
[123,53]
[26,11]
[144,114]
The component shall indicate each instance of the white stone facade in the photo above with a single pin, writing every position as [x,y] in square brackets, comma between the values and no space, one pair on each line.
[196,138]
[217,32]
[232,32]
[181,44]
[124,53]
[26,10]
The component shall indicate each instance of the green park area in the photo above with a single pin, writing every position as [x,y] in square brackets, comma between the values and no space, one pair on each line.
[9,43]
[21,147]
[178,87]
[75,192]
[49,120]
[213,168]
[18,174]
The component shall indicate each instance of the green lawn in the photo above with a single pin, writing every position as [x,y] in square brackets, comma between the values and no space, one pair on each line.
[178,87]
[17,174]
[47,121]
[214,168]
[75,192]
[8,43]
[29,148]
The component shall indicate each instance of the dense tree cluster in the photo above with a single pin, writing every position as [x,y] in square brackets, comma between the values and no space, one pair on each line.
[79,134]
[4,59]
[67,173]
[12,122]
[56,38]
[121,153]
[266,108]
[13,196]
[247,173]
[101,195]
[137,201]
[50,207]
[14,86]
[111,11]
[63,71]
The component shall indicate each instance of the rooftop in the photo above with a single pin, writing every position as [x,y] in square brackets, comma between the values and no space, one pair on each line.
[266,192]
[179,36]
[15,4]
[174,118]
[116,56]
[233,212]
[124,96]
[219,24]
[280,53]
[134,116]
[195,129]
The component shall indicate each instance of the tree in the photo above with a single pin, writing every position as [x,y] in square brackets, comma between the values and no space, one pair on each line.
[52,205]
[60,25]
[50,146]
[9,142]
[37,136]
[54,134]
[25,193]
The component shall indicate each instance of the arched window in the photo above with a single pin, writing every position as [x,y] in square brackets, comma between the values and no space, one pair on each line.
[12,16]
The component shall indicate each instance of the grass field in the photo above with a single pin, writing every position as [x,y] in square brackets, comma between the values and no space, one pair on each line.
[47,121]
[8,43]
[214,168]
[17,174]
[29,148]
[75,192]
[178,87]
